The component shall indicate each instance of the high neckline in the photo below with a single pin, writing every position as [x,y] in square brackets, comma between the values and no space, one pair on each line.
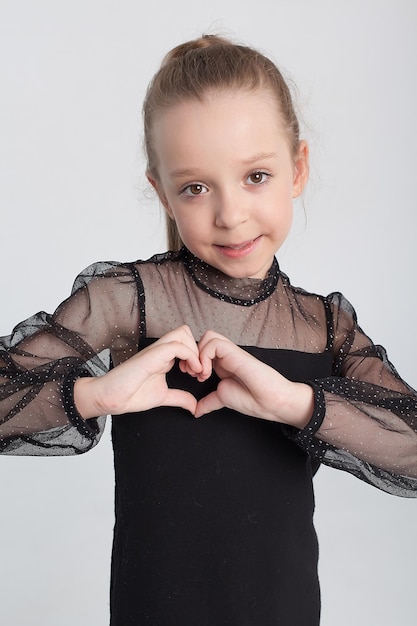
[242,291]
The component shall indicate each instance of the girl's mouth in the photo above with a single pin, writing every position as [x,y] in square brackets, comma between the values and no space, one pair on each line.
[239,250]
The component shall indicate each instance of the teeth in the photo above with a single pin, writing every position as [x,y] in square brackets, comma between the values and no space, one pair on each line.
[239,247]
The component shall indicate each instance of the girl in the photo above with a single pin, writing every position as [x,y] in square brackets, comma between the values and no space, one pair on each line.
[213,516]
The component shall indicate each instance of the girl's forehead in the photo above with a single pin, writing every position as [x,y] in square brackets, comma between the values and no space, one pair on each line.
[226,126]
[223,111]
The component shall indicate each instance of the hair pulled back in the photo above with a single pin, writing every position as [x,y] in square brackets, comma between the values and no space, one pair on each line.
[210,63]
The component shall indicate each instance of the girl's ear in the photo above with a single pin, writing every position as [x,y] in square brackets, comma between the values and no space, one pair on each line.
[301,169]
[162,197]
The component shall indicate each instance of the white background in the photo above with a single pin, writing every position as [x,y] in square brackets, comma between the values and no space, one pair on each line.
[72,79]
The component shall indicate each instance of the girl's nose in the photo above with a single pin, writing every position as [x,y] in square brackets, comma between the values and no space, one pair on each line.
[231,210]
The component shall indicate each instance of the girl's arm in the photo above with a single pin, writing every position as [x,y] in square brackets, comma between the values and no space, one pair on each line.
[55,370]
[46,354]
[368,423]
[363,419]
[249,386]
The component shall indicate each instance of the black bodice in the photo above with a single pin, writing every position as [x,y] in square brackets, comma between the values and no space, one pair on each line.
[214,516]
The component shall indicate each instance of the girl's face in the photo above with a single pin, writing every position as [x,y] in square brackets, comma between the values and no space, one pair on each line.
[227,177]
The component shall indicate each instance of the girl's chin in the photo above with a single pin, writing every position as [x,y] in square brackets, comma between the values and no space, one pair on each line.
[242,269]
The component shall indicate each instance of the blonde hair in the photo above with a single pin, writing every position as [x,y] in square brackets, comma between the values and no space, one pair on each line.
[209,63]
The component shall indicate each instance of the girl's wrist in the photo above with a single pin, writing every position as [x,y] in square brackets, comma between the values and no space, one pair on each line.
[300,405]
[85,398]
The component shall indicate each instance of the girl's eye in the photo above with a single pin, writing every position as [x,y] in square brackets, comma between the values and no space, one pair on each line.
[256,178]
[196,189]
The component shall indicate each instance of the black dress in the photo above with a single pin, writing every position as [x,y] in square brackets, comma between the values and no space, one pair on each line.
[213,516]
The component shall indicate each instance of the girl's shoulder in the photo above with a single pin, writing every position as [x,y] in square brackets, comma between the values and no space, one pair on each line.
[334,301]
[104,273]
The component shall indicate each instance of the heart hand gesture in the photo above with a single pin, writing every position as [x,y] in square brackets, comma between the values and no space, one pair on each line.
[246,384]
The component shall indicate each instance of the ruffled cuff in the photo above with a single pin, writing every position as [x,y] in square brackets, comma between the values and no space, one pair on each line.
[305,438]
[89,428]
[319,412]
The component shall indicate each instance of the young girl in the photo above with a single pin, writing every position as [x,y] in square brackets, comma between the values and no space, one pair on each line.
[213,515]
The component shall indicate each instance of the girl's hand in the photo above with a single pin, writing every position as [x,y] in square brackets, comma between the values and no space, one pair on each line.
[249,386]
[140,382]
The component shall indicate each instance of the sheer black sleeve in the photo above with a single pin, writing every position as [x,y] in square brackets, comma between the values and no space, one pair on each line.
[365,418]
[44,355]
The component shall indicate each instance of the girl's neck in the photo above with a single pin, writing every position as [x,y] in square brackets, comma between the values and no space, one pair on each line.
[244,291]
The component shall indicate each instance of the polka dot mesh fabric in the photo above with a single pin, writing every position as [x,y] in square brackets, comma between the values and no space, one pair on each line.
[364,420]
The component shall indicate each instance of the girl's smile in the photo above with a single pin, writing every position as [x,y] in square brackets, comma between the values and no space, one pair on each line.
[235,251]
[227,177]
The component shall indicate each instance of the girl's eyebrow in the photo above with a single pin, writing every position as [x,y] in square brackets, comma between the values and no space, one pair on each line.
[260,156]
[180,173]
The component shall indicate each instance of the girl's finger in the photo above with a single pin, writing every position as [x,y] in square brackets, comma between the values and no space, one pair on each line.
[209,403]
[219,350]
[182,399]
[189,368]
[183,335]
[187,355]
